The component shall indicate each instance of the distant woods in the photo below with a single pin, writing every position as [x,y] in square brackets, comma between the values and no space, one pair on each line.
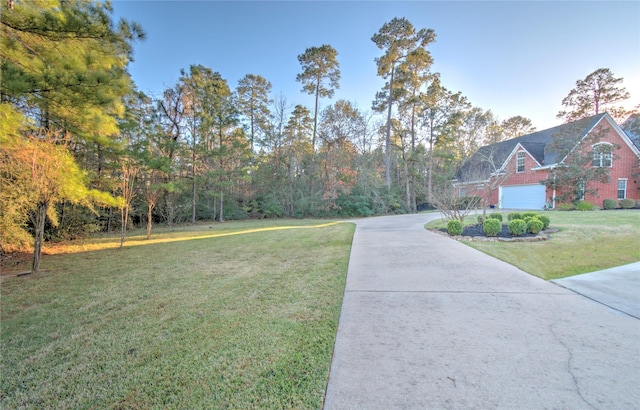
[206,149]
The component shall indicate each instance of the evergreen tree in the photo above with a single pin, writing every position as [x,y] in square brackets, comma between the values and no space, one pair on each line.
[253,102]
[597,93]
[64,68]
[398,38]
[319,64]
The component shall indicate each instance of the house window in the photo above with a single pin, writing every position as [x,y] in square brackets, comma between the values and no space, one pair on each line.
[462,192]
[602,155]
[520,162]
[622,188]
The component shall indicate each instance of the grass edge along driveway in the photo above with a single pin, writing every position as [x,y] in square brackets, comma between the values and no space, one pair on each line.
[190,319]
[587,242]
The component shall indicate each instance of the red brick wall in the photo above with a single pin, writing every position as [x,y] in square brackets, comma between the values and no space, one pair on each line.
[625,165]
[510,177]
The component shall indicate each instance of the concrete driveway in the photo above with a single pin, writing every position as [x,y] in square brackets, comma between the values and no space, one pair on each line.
[429,323]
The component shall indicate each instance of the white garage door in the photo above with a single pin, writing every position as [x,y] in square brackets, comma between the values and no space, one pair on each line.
[522,197]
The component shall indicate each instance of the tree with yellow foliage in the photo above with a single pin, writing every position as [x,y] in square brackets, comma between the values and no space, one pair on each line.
[63,82]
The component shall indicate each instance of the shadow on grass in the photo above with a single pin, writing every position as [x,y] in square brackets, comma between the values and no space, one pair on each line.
[15,264]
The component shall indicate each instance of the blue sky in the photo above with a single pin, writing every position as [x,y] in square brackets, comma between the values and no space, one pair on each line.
[513,57]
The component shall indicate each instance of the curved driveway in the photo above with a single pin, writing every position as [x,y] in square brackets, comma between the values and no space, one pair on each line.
[429,323]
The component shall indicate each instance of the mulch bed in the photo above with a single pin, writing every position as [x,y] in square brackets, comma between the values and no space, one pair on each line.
[477,230]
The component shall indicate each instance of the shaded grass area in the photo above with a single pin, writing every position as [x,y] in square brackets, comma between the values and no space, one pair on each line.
[586,242]
[187,320]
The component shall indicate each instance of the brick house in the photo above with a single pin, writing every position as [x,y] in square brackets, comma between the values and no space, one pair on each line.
[508,174]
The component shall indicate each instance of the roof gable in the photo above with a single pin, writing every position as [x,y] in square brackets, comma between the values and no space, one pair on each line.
[491,158]
[520,148]
[631,127]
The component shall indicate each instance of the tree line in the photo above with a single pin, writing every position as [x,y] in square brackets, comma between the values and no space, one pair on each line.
[82,150]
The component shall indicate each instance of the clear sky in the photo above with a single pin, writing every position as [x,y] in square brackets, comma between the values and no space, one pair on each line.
[513,57]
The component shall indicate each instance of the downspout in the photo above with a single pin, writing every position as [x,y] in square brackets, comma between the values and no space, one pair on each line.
[553,195]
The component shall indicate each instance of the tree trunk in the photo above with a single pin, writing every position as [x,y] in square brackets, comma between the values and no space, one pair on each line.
[387,143]
[407,186]
[430,165]
[149,219]
[41,215]
[124,215]
[193,185]
[221,216]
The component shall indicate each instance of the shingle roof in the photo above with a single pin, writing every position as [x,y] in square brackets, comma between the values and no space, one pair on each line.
[632,128]
[490,158]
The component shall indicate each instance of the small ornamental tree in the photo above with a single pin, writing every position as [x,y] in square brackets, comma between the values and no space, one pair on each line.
[446,200]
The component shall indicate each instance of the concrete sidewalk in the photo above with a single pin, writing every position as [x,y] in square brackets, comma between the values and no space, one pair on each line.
[429,323]
[617,288]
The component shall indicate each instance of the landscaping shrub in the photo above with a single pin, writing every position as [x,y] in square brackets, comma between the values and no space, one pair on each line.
[546,221]
[480,219]
[528,214]
[514,215]
[609,204]
[492,227]
[517,227]
[534,225]
[454,227]
[495,215]
[584,206]
[565,207]
[627,203]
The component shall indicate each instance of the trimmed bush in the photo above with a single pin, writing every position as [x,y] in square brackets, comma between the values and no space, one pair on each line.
[610,204]
[584,206]
[495,215]
[627,203]
[514,215]
[546,221]
[528,214]
[638,204]
[517,227]
[492,227]
[480,219]
[454,227]
[565,207]
[534,225]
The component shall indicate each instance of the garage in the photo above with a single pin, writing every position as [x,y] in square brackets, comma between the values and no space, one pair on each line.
[522,196]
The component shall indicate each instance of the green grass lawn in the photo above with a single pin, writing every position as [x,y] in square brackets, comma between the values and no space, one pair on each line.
[235,315]
[587,242]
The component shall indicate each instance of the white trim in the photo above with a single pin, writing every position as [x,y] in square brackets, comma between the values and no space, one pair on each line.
[623,135]
[601,154]
[626,186]
[519,157]
[583,137]
[513,151]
